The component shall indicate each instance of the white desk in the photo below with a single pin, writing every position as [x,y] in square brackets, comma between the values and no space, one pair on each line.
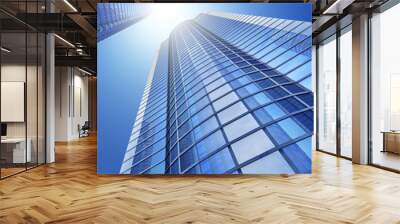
[391,141]
[19,154]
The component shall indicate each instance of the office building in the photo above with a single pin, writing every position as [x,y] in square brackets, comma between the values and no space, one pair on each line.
[48,75]
[117,16]
[226,91]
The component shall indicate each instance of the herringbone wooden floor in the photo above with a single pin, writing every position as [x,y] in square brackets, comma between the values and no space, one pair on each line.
[70,191]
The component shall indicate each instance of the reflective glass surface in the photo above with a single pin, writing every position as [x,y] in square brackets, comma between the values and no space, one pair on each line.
[236,93]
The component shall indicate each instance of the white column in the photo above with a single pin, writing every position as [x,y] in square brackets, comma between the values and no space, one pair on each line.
[50,99]
[360,89]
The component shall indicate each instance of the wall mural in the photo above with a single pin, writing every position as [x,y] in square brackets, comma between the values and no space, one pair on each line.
[204,88]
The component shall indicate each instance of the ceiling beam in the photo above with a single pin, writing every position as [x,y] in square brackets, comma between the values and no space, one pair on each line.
[83,61]
[86,26]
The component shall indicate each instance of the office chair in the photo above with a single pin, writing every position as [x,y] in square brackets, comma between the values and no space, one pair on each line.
[84,130]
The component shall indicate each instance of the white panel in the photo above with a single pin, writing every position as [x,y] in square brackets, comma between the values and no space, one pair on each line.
[12,101]
[394,102]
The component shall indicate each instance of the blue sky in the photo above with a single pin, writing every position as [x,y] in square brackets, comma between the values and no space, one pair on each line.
[124,61]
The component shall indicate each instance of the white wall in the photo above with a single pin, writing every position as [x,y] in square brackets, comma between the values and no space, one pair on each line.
[16,73]
[71,102]
[34,126]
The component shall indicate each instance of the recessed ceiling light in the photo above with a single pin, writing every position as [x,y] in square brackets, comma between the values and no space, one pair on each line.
[5,50]
[64,40]
[338,6]
[70,5]
[84,71]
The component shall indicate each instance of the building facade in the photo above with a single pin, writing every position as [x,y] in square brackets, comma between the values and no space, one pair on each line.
[228,93]
[114,17]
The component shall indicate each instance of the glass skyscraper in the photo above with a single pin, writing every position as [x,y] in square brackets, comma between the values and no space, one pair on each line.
[114,17]
[228,93]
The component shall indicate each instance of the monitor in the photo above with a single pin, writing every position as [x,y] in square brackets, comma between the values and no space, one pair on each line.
[3,129]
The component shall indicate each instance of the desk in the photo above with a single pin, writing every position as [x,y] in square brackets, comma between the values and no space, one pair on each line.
[391,141]
[13,150]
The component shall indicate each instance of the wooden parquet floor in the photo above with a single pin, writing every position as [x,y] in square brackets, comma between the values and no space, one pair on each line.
[70,191]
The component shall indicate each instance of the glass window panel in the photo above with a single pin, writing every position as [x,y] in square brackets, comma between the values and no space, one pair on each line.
[218,163]
[233,75]
[240,127]
[185,142]
[248,69]
[292,63]
[194,170]
[158,169]
[306,119]
[240,82]
[209,144]
[225,101]
[278,134]
[294,88]
[251,146]
[265,83]
[291,104]
[308,98]
[276,93]
[247,90]
[205,128]
[257,100]
[174,138]
[327,97]
[182,117]
[215,84]
[262,116]
[346,94]
[305,145]
[273,163]
[220,91]
[174,153]
[282,58]
[307,83]
[201,116]
[199,105]
[274,111]
[232,112]
[175,167]
[184,128]
[300,162]
[149,162]
[256,75]
[300,72]
[291,128]
[188,158]
[385,81]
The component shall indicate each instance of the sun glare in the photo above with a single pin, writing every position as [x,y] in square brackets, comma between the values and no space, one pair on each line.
[167,14]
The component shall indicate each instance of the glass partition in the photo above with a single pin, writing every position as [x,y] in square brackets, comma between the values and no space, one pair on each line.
[327,95]
[385,89]
[346,92]
[31,100]
[22,89]
[14,153]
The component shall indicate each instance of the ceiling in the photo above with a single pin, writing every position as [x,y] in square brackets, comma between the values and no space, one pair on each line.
[74,21]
